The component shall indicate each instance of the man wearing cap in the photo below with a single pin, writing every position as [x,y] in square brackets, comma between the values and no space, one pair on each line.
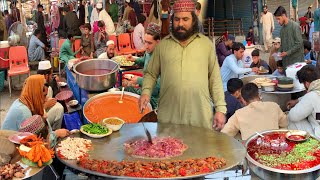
[266,19]
[224,49]
[275,48]
[95,13]
[151,40]
[105,17]
[36,47]
[109,54]
[53,109]
[190,77]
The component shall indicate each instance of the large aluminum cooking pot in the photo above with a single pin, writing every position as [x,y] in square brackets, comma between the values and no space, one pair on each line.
[265,172]
[96,82]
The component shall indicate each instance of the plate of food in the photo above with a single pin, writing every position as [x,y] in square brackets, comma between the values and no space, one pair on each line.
[16,138]
[259,81]
[123,62]
[95,130]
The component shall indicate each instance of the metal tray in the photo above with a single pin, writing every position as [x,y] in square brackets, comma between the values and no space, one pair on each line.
[202,143]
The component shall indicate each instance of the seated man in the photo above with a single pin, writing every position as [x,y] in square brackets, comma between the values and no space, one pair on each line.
[257,62]
[279,71]
[304,112]
[309,56]
[36,47]
[257,116]
[54,110]
[109,54]
[233,96]
[151,39]
[100,39]
[232,66]
[224,49]
[66,52]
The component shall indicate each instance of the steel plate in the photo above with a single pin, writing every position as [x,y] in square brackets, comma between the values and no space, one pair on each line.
[202,143]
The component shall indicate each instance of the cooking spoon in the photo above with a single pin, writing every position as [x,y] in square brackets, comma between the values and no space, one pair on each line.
[147,133]
[260,134]
[120,101]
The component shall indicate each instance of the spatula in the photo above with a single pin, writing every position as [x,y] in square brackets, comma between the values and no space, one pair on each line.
[147,133]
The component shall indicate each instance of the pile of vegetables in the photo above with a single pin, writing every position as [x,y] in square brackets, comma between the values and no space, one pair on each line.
[122,61]
[94,129]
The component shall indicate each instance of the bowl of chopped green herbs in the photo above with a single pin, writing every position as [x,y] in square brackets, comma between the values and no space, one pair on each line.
[95,130]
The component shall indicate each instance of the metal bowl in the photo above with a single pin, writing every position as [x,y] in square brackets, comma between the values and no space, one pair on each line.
[303,134]
[96,82]
[265,172]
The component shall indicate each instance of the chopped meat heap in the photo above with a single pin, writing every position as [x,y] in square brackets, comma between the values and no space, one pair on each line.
[160,148]
[160,169]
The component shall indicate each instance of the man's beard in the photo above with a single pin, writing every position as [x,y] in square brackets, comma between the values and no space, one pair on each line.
[110,55]
[265,12]
[182,36]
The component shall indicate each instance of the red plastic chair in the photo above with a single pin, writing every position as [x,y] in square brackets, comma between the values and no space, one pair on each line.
[18,63]
[76,47]
[4,55]
[138,51]
[124,42]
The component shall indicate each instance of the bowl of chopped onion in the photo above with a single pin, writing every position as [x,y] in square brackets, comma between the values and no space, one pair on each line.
[113,123]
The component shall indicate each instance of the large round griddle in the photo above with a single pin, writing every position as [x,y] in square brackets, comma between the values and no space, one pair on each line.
[201,142]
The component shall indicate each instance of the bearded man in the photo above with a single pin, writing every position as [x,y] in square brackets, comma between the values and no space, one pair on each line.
[190,76]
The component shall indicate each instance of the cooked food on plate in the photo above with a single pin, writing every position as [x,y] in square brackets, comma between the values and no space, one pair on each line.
[159,169]
[73,148]
[259,81]
[34,153]
[122,61]
[161,147]
[9,171]
[276,151]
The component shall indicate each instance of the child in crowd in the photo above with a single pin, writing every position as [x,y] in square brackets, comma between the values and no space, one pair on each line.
[308,54]
[87,42]
[250,36]
[279,71]
[275,48]
[257,116]
[257,62]
[233,96]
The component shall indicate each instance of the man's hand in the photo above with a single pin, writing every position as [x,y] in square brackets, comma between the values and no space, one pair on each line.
[292,103]
[308,61]
[50,103]
[283,54]
[143,102]
[255,69]
[218,121]
[61,133]
[134,80]
[130,58]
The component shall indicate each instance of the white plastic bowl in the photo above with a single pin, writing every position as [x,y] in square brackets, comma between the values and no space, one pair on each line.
[112,126]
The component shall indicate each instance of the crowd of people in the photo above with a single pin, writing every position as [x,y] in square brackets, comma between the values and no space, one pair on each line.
[183,76]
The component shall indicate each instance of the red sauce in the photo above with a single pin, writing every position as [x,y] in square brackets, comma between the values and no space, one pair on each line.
[109,106]
[296,137]
[96,72]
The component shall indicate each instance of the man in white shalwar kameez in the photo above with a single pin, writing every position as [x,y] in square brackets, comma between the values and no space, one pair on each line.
[267,22]
[95,13]
[105,17]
